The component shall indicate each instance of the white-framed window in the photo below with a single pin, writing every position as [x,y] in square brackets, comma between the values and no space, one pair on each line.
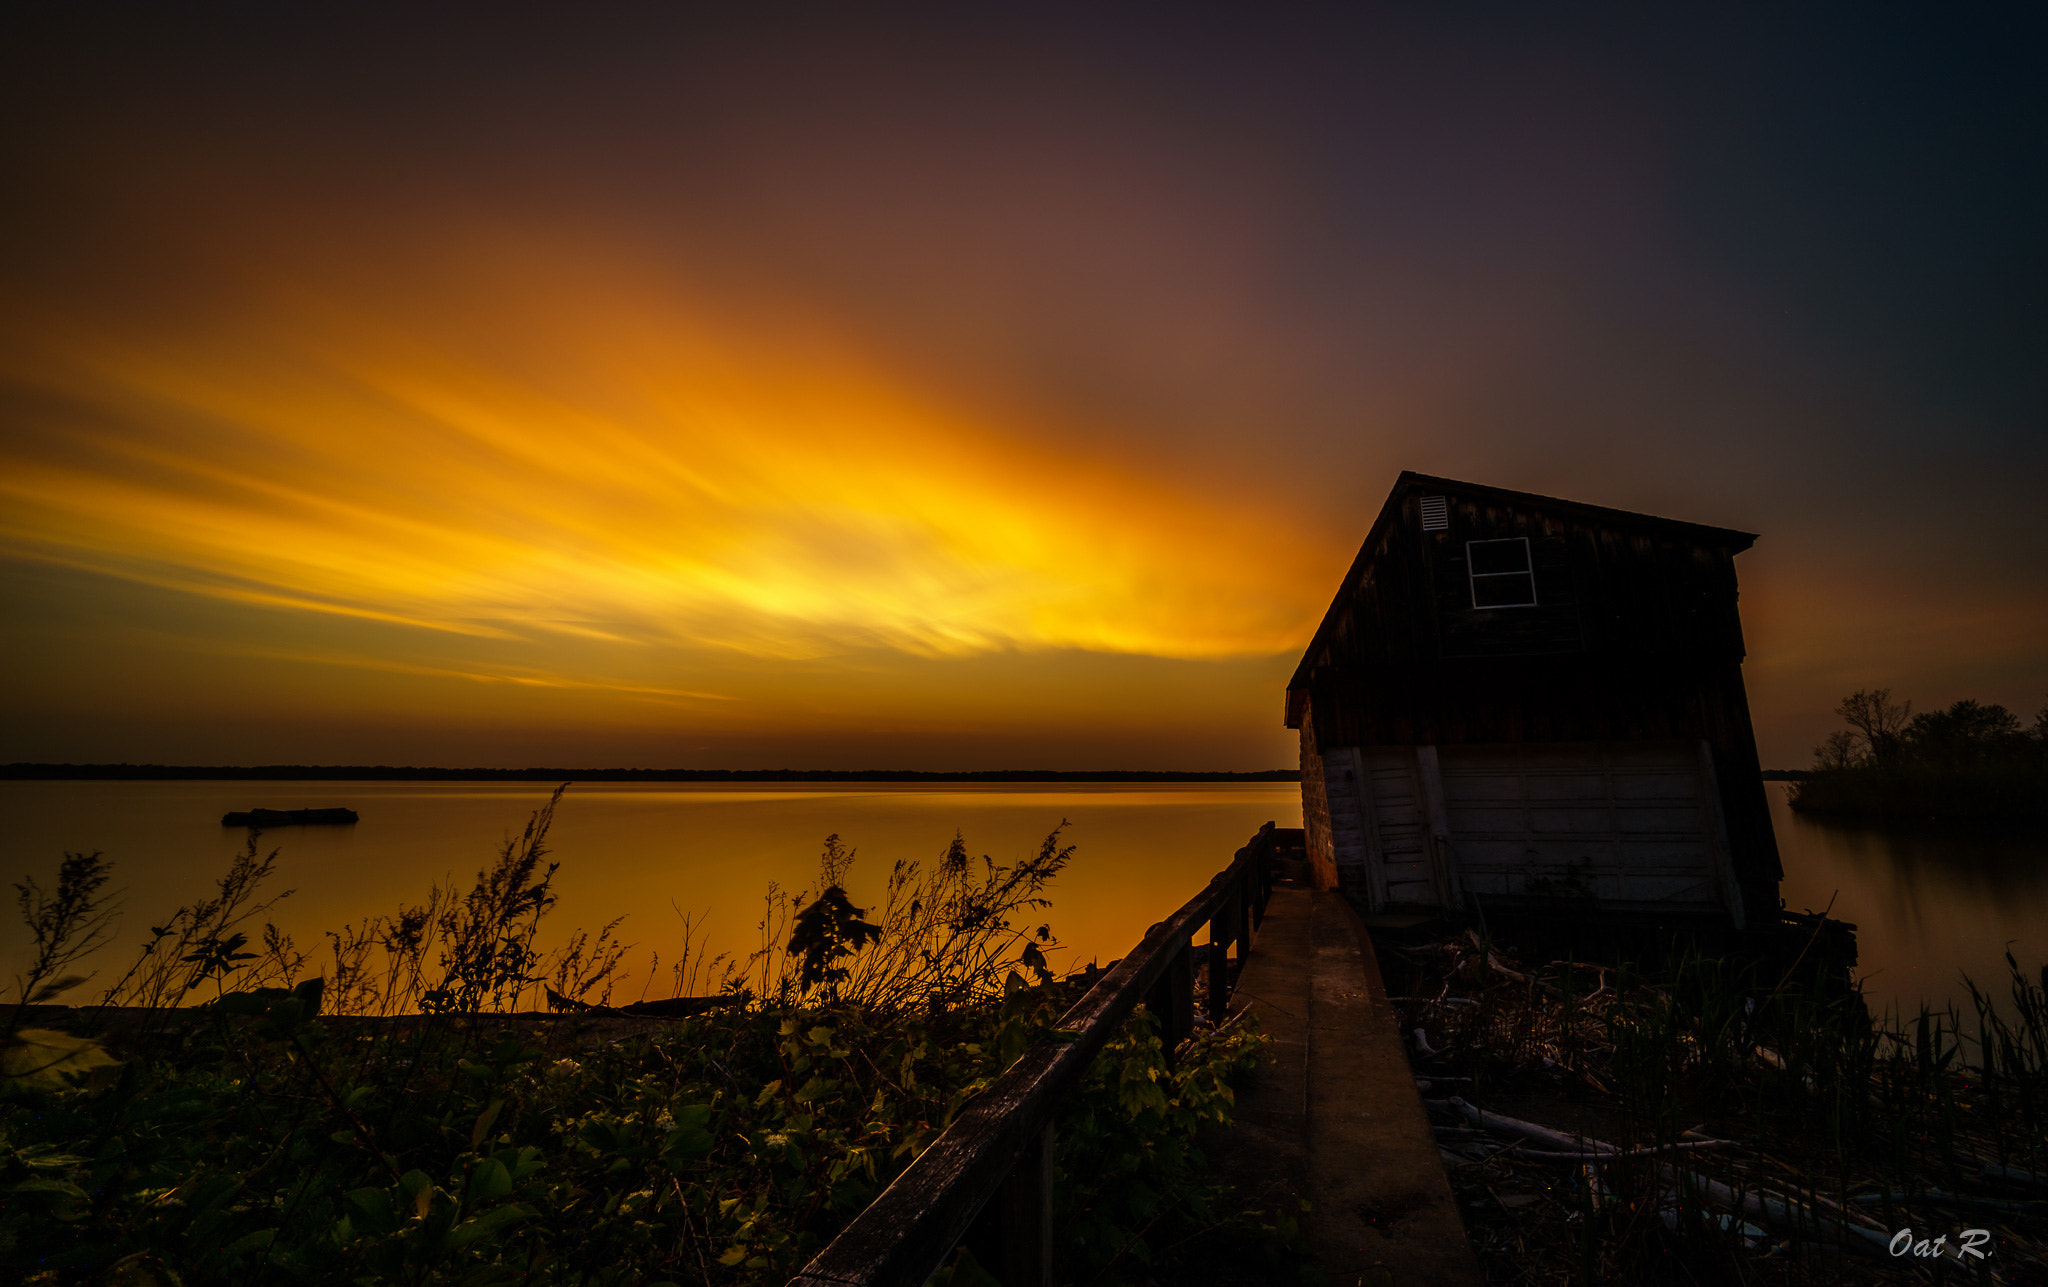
[1502,575]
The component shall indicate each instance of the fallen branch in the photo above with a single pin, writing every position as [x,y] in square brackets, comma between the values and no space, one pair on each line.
[1601,1155]
[1778,1213]
[1961,1201]
[2012,1175]
[1515,1129]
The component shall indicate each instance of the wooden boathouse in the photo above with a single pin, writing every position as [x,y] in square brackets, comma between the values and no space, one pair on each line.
[1519,704]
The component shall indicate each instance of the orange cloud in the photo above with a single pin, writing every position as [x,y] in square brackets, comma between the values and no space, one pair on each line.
[621,472]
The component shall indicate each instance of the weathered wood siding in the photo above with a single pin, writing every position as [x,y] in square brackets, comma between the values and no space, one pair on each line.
[1630,824]
[1347,826]
[1315,812]
[1634,637]
[1555,700]
[1634,826]
[1667,590]
[1400,818]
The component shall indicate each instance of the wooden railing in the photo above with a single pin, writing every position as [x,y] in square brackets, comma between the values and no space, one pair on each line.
[990,1172]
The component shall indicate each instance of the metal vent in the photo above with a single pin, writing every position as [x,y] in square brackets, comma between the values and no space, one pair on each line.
[1436,514]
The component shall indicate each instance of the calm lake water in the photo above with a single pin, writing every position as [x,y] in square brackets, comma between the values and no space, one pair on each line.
[645,851]
[1927,907]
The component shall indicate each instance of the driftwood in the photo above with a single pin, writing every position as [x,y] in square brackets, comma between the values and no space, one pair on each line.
[672,1008]
[1780,1213]
[1770,1209]
[288,818]
[2012,1175]
[1515,1130]
[1959,1201]
[1655,1150]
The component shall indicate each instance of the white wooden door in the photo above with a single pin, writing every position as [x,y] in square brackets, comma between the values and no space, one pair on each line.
[1626,826]
[1632,826]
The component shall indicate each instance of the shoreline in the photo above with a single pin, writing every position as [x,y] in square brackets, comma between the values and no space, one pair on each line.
[410,773]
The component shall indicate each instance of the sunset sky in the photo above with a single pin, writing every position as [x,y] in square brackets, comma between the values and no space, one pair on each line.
[971,386]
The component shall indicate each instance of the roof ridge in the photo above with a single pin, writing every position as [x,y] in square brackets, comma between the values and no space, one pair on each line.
[1410,476]
[1410,480]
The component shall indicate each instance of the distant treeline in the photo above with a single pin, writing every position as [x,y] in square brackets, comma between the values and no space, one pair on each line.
[1971,761]
[408,773]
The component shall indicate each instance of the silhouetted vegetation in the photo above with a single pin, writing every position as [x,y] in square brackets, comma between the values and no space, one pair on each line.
[1718,1122]
[399,1117]
[1970,761]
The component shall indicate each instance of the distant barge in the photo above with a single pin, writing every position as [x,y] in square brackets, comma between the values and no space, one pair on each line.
[288,818]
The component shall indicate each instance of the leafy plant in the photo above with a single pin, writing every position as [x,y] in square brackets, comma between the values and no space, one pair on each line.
[384,1123]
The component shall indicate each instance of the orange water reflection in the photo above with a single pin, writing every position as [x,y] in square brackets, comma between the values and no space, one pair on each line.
[1927,907]
[635,849]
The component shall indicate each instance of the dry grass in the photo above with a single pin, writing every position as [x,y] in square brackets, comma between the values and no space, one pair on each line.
[1829,1133]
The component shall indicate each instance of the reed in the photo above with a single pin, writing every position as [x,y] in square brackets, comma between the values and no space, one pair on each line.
[1827,1126]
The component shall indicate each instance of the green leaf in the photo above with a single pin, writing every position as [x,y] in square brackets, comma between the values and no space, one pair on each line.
[63,1187]
[489,1179]
[420,1188]
[40,1058]
[250,1242]
[521,1162]
[470,1230]
[484,1121]
[815,1088]
[684,1145]
[375,1204]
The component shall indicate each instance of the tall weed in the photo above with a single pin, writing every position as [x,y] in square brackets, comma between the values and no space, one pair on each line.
[381,1123]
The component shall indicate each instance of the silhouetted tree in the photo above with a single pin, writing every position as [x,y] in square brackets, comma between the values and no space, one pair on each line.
[1840,751]
[1876,718]
[1965,734]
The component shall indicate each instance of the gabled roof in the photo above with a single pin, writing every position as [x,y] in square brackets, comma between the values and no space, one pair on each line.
[1724,537]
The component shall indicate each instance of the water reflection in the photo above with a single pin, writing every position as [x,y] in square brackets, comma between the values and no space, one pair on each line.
[643,850]
[1928,906]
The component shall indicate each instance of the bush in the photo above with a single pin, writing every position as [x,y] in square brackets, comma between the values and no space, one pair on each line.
[428,1136]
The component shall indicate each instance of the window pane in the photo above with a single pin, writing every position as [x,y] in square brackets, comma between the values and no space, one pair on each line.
[1498,556]
[1515,591]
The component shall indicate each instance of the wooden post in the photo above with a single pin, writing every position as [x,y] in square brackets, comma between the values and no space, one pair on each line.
[1024,1213]
[1219,965]
[1247,894]
[1172,1000]
[1443,863]
[955,1190]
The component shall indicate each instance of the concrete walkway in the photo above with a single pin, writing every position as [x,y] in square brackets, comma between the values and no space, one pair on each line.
[1335,1117]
